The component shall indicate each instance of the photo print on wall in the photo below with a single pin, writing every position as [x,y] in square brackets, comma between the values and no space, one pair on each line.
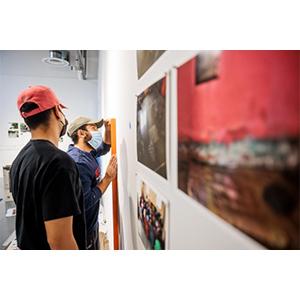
[145,59]
[151,127]
[152,212]
[13,130]
[207,65]
[238,140]
[24,128]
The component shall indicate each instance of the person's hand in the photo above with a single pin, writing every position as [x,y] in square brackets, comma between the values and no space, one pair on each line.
[111,170]
[107,135]
[107,124]
[110,174]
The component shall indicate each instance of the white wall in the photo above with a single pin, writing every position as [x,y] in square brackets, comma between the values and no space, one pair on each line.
[79,96]
[191,225]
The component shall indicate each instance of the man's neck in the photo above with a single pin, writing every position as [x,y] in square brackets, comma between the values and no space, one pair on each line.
[45,135]
[83,146]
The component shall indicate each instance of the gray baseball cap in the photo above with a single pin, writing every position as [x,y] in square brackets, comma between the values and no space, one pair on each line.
[80,121]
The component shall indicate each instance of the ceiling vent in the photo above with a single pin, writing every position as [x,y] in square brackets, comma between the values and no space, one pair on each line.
[57,58]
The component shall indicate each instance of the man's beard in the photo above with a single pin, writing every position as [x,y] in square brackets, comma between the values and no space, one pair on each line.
[86,139]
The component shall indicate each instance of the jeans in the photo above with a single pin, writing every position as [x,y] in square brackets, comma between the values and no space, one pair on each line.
[93,240]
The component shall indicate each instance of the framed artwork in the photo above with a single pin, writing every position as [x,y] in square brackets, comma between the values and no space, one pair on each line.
[238,140]
[151,128]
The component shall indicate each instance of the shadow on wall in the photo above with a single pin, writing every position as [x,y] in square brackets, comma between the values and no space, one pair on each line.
[128,210]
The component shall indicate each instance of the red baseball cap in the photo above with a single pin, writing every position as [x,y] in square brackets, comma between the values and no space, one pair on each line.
[42,96]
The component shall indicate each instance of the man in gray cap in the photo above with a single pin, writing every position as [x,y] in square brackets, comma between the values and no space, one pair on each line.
[87,148]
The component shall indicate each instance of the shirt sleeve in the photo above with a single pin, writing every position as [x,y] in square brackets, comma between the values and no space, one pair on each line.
[91,194]
[101,150]
[60,195]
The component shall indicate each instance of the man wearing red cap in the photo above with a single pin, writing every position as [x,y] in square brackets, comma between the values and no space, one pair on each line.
[44,180]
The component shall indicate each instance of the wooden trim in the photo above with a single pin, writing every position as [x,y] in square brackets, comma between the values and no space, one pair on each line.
[115,188]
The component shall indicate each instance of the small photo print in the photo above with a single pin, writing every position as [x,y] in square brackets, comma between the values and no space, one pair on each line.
[207,66]
[13,134]
[24,128]
[145,59]
[14,126]
[13,130]
[152,212]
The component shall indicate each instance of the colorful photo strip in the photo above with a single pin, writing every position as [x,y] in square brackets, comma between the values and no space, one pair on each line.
[152,217]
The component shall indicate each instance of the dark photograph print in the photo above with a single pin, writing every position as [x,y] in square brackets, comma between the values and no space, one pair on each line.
[152,215]
[151,128]
[207,65]
[238,141]
[145,59]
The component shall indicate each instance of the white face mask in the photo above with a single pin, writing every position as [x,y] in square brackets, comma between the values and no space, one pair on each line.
[96,139]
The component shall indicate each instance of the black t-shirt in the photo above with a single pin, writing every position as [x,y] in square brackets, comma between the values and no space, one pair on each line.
[45,185]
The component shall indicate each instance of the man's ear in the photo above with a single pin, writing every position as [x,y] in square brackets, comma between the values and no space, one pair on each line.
[57,111]
[80,133]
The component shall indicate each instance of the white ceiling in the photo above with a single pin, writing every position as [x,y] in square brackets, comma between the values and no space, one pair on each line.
[29,63]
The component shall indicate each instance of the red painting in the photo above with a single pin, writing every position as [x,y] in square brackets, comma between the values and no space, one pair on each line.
[238,140]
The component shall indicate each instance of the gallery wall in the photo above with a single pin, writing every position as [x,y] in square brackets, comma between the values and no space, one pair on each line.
[190,225]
